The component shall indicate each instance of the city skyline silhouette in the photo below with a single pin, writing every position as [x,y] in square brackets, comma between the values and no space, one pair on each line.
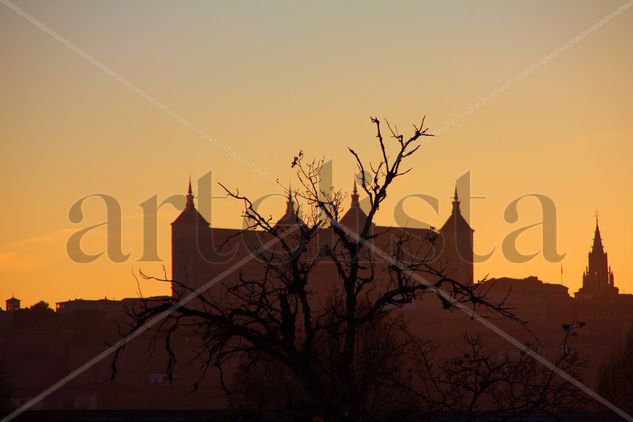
[208,183]
[201,252]
[561,131]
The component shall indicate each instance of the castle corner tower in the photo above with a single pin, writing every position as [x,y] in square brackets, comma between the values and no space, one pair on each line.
[190,247]
[458,245]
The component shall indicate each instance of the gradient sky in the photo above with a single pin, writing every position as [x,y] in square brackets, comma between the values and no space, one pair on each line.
[268,79]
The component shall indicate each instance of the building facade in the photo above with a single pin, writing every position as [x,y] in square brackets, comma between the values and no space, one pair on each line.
[200,251]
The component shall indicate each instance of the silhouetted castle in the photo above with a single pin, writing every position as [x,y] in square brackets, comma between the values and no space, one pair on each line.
[199,252]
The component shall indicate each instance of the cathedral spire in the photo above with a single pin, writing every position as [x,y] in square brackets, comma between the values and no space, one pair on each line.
[597,280]
[597,238]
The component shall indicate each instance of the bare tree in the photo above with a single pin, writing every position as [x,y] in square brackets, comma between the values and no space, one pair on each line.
[483,382]
[380,368]
[278,317]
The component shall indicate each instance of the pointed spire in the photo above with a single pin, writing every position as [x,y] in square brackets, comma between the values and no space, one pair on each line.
[456,202]
[189,203]
[597,239]
[291,217]
[290,208]
[355,195]
[598,277]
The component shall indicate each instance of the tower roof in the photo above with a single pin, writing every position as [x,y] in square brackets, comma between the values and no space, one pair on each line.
[190,214]
[355,217]
[456,220]
[291,215]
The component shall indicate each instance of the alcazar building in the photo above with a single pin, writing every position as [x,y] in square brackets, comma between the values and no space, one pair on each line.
[201,251]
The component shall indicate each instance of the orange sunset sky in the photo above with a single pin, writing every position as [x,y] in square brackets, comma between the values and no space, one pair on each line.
[266,79]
